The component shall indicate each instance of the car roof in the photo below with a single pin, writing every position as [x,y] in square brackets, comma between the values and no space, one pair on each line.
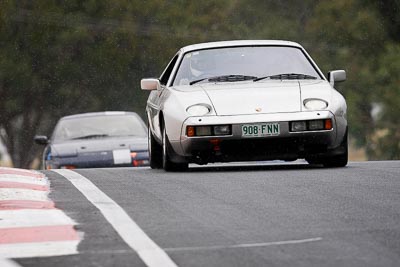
[238,43]
[96,114]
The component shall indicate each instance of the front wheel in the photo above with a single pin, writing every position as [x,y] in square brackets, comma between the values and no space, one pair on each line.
[167,164]
[155,152]
[335,161]
[341,159]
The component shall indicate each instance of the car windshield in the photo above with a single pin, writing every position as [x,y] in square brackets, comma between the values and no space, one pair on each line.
[249,61]
[99,127]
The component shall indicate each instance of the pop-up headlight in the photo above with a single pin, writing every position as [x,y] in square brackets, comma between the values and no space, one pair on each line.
[315,104]
[198,110]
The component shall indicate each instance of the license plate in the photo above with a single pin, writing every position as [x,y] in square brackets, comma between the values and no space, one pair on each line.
[122,156]
[260,129]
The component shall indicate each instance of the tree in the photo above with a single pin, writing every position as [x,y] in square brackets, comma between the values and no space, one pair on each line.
[348,34]
[56,61]
[387,137]
[64,57]
[60,58]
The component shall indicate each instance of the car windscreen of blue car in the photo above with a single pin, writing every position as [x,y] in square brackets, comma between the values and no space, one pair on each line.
[97,127]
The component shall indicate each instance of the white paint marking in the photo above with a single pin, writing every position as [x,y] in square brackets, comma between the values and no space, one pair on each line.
[8,263]
[40,249]
[32,218]
[22,179]
[278,243]
[22,194]
[20,170]
[151,254]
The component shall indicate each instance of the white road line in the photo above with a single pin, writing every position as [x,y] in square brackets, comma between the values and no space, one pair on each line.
[39,249]
[33,218]
[151,254]
[22,194]
[278,243]
[8,263]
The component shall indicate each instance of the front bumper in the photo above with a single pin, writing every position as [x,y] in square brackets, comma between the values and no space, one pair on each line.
[100,159]
[286,146]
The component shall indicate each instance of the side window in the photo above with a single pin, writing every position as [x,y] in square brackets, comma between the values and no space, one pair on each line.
[167,72]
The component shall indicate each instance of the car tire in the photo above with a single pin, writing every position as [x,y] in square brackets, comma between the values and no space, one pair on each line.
[335,161]
[167,164]
[341,159]
[155,152]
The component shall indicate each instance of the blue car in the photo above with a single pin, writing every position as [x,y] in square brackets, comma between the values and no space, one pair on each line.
[96,140]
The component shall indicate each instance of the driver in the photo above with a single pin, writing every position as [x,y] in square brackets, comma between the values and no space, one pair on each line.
[201,64]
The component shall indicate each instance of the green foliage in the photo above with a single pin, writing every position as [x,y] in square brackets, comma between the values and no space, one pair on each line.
[342,40]
[349,34]
[65,57]
[387,138]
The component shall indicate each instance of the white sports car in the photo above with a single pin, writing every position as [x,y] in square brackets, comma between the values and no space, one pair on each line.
[245,100]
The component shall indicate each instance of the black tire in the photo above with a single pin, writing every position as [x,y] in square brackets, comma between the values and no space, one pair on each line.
[167,164]
[155,152]
[338,160]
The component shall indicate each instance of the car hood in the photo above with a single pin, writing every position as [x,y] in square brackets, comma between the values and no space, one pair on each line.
[254,97]
[242,98]
[72,148]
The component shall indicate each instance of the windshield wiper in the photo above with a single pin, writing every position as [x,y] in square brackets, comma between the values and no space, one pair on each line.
[90,136]
[225,78]
[287,76]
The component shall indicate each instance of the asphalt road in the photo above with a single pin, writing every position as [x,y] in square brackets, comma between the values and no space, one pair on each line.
[241,215]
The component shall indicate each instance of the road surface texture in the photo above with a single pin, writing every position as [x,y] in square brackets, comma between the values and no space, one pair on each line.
[233,215]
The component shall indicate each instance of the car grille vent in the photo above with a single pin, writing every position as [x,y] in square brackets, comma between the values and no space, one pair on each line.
[292,76]
[231,78]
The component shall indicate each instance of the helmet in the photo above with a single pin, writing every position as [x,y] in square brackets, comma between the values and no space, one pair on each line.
[201,62]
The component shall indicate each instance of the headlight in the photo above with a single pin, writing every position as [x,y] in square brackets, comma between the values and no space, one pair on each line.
[198,110]
[298,126]
[208,130]
[222,130]
[315,104]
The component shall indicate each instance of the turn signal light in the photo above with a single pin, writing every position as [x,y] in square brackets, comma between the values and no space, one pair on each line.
[137,162]
[190,131]
[208,130]
[328,124]
[71,167]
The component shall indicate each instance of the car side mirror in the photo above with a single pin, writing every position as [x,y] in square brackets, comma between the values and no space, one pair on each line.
[41,140]
[150,84]
[336,76]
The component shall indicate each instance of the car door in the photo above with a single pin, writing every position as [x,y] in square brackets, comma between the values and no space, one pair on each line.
[154,103]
